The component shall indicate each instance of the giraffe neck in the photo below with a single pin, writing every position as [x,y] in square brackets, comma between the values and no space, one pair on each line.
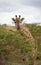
[26,33]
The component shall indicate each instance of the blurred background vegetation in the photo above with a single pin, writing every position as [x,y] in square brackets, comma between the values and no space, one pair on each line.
[15,49]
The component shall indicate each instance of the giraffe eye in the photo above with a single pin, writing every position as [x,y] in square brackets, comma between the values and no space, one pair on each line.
[15,22]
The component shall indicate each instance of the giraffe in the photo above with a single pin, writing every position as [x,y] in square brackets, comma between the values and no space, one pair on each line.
[17,21]
[26,33]
[25,30]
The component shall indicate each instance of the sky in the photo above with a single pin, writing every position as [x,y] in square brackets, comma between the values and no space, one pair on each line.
[29,9]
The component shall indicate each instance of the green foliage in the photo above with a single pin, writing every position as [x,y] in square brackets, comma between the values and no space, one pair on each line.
[14,47]
[36,32]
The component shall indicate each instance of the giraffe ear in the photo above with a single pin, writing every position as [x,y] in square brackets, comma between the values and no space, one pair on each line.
[13,19]
[22,19]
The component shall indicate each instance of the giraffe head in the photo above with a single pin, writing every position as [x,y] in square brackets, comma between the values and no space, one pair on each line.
[17,21]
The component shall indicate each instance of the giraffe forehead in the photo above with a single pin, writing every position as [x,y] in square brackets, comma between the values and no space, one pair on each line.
[18,20]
